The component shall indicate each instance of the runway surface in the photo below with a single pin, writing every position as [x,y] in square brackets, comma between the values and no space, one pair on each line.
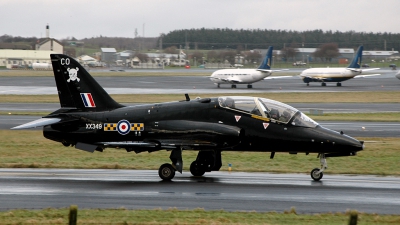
[199,85]
[356,129]
[142,189]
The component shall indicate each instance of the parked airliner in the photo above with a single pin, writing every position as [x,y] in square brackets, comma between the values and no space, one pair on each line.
[337,74]
[246,76]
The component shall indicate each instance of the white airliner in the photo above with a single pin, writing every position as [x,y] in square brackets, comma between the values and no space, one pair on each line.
[337,74]
[246,76]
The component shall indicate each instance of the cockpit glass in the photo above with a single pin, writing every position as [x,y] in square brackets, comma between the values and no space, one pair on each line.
[302,120]
[277,112]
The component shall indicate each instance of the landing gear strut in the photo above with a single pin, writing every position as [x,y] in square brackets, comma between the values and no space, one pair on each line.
[206,161]
[167,171]
[317,174]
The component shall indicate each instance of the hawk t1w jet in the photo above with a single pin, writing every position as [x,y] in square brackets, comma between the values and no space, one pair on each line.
[337,74]
[91,120]
[246,76]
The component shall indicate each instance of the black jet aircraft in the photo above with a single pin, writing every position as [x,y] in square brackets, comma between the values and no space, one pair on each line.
[90,120]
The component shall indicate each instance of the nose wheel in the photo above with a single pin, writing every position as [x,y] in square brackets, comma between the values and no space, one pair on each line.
[166,171]
[317,174]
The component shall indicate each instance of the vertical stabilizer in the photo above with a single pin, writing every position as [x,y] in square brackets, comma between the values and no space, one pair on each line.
[77,88]
[356,62]
[266,63]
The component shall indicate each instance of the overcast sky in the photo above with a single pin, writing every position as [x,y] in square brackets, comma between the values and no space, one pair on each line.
[119,18]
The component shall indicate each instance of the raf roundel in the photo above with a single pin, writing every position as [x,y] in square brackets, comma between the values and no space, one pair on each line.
[123,127]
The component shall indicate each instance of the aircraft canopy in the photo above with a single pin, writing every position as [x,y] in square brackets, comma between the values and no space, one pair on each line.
[267,108]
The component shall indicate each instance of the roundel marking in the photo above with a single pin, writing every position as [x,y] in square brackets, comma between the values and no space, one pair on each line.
[123,127]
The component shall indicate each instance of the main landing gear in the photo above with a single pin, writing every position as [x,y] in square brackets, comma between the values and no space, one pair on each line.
[249,86]
[206,161]
[338,84]
[233,86]
[323,84]
[317,174]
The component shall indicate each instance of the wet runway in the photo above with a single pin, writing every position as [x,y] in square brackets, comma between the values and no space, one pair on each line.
[139,189]
[142,189]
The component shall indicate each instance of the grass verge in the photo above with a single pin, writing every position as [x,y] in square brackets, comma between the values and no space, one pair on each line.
[196,216]
[323,97]
[29,149]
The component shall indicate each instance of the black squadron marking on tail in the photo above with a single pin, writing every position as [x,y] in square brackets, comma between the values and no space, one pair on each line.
[90,120]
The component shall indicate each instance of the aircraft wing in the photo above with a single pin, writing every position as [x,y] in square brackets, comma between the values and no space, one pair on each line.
[314,79]
[229,80]
[367,75]
[362,70]
[277,77]
[159,144]
[37,123]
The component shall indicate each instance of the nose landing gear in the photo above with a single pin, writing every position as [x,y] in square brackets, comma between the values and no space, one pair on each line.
[317,174]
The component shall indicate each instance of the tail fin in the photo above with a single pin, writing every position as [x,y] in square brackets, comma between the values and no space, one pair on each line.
[356,63]
[266,63]
[77,88]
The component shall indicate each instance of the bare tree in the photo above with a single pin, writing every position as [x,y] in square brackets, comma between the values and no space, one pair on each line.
[228,55]
[212,56]
[253,57]
[171,50]
[142,57]
[198,56]
[327,51]
[288,53]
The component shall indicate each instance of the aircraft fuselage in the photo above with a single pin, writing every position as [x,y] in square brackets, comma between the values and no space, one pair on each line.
[328,74]
[238,76]
[198,124]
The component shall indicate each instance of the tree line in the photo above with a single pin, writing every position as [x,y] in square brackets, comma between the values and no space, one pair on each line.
[242,39]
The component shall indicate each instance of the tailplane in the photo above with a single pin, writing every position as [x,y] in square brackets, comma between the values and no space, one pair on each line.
[77,88]
[356,62]
[266,63]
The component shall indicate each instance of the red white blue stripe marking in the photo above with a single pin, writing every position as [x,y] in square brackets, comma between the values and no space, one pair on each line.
[88,100]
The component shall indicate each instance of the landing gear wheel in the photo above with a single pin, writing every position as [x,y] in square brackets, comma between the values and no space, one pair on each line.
[166,171]
[315,175]
[196,170]
[308,84]
[249,86]
[218,86]
[339,84]
[233,85]
[323,84]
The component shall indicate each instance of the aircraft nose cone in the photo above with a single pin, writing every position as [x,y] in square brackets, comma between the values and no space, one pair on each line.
[340,142]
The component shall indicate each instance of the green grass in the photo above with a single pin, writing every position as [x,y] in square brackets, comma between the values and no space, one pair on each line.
[193,217]
[29,149]
[301,97]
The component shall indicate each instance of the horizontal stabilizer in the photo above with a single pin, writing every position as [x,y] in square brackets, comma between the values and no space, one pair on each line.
[37,123]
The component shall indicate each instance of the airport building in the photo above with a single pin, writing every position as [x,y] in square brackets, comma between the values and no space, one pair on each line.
[15,58]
